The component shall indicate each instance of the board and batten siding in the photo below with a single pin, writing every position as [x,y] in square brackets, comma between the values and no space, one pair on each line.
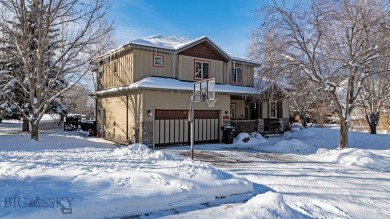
[124,71]
[144,67]
[187,68]
[247,76]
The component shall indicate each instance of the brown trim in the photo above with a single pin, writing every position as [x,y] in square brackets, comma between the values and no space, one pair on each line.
[154,60]
[203,50]
[200,60]
[171,114]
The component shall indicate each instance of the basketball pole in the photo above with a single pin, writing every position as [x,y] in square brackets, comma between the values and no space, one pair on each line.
[192,123]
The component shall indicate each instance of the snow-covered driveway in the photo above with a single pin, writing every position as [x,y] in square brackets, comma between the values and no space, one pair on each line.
[311,184]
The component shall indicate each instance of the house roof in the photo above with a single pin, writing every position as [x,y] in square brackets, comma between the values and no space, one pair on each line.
[159,83]
[177,44]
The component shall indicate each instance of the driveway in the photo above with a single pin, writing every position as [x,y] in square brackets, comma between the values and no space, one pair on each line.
[317,189]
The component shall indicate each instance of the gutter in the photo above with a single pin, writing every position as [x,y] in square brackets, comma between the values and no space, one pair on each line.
[125,89]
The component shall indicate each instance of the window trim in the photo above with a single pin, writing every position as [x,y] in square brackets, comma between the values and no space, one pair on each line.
[201,61]
[234,69]
[270,109]
[154,60]
[115,67]
[100,78]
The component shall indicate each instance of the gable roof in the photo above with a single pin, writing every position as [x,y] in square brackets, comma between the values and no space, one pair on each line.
[178,44]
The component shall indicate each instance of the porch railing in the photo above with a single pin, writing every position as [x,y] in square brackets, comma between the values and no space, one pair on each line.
[260,125]
[245,125]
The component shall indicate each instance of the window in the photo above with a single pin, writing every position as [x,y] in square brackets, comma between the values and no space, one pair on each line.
[100,71]
[114,67]
[158,60]
[201,69]
[235,75]
[273,106]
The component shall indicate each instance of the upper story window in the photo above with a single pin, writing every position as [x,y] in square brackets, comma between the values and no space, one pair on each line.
[100,71]
[201,69]
[158,60]
[236,74]
[114,67]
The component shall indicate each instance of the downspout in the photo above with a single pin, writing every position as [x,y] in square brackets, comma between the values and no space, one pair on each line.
[127,118]
[96,115]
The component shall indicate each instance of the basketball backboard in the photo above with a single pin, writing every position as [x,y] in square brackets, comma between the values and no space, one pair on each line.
[204,90]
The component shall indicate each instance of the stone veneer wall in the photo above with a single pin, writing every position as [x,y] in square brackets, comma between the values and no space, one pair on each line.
[260,125]
[284,124]
[147,133]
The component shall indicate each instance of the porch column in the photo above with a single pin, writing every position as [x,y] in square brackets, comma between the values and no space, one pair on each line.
[260,126]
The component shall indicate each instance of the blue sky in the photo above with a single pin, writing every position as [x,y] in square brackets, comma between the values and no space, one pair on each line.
[228,23]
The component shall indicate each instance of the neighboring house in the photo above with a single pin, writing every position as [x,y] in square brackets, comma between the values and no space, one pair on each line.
[145,86]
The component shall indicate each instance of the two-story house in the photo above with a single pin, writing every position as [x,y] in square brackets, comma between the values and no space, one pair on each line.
[145,86]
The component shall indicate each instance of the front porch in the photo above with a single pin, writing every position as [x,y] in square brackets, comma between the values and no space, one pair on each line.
[262,126]
[264,116]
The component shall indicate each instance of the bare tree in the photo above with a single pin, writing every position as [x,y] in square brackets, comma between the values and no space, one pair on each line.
[55,40]
[375,94]
[77,101]
[331,41]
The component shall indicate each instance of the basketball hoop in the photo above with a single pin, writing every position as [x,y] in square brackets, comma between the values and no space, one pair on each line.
[211,102]
[204,91]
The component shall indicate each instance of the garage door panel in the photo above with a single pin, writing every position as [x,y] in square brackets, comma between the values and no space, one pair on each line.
[172,127]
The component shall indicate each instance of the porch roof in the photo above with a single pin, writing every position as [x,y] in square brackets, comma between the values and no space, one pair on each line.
[159,83]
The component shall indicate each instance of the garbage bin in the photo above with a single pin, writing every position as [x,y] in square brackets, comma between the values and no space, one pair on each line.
[228,134]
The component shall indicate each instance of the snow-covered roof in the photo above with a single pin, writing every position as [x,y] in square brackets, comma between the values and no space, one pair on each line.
[175,43]
[159,83]
[170,42]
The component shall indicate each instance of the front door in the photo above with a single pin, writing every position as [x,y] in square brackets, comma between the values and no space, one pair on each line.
[255,111]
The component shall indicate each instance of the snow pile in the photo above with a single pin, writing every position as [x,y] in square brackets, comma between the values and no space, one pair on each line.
[300,133]
[267,205]
[293,146]
[296,127]
[141,152]
[96,180]
[354,157]
[246,140]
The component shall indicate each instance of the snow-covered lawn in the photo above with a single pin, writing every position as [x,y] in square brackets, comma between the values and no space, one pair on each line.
[299,175]
[308,174]
[92,178]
